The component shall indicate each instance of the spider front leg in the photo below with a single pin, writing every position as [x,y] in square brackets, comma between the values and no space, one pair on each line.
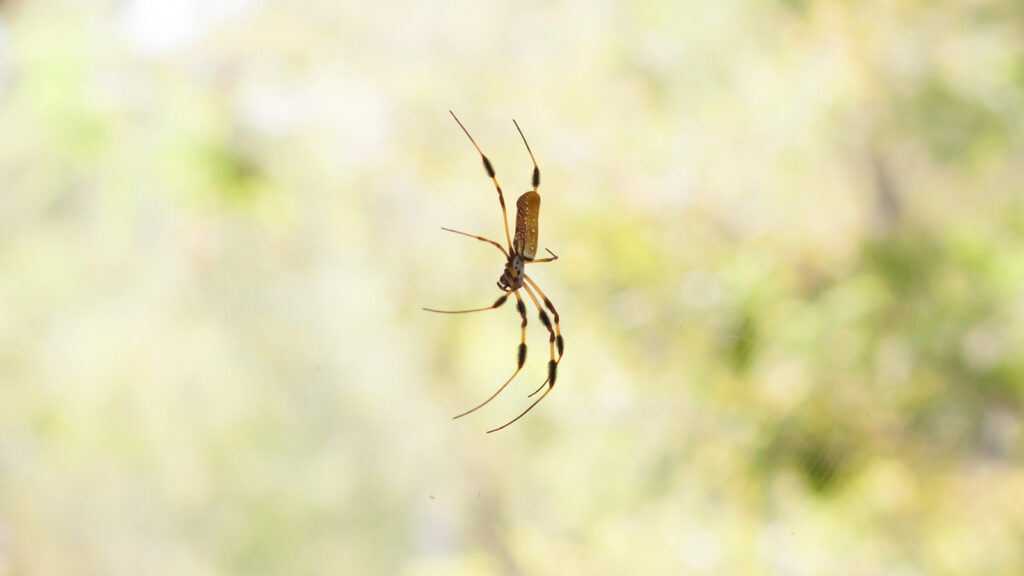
[519,362]
[489,168]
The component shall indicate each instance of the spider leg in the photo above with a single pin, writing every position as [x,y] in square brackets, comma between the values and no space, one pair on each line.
[512,421]
[481,238]
[556,337]
[536,171]
[490,172]
[519,362]
[501,300]
[552,259]
[547,324]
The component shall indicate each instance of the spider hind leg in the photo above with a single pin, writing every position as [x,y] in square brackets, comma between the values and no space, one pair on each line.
[520,359]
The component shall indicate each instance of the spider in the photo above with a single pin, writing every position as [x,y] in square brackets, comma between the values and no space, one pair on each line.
[520,252]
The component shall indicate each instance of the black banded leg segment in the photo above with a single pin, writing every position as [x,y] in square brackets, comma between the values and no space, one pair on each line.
[490,172]
[552,364]
[552,338]
[560,343]
[536,171]
[520,360]
[557,336]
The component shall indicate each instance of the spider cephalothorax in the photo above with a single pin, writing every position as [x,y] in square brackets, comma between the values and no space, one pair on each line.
[512,277]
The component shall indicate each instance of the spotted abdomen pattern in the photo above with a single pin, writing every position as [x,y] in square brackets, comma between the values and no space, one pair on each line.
[527,213]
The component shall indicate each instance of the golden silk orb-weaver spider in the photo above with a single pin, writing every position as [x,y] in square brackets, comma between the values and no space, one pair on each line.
[522,249]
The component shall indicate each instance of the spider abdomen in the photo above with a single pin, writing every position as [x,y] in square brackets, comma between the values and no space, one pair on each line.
[527,213]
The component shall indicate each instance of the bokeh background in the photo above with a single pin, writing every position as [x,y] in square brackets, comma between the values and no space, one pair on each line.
[791,285]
